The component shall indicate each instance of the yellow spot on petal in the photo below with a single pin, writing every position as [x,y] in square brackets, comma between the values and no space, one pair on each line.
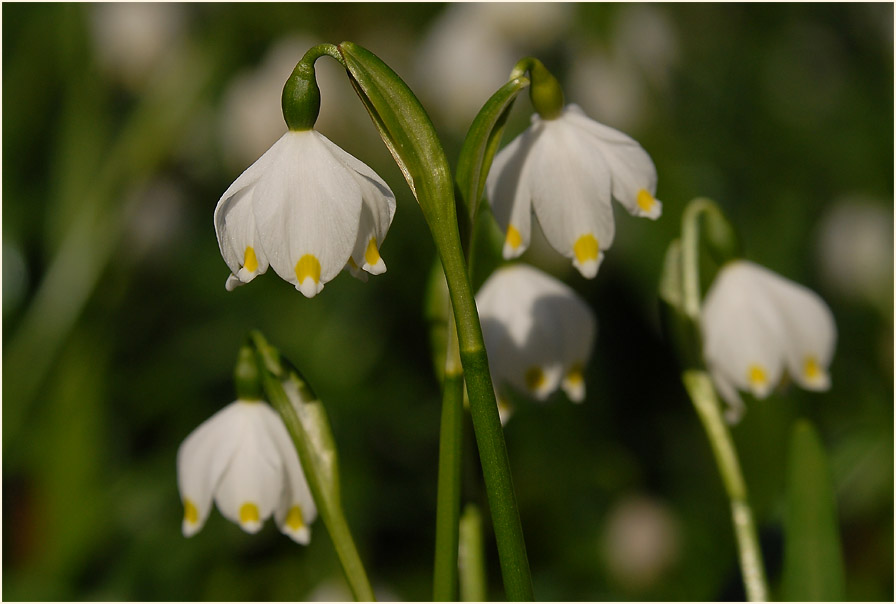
[812,369]
[191,514]
[294,519]
[307,267]
[351,262]
[372,255]
[645,200]
[250,262]
[757,376]
[586,248]
[249,513]
[534,378]
[514,239]
[574,376]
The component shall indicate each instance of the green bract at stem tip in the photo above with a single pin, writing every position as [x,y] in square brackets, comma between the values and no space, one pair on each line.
[301,95]
[545,92]
[245,375]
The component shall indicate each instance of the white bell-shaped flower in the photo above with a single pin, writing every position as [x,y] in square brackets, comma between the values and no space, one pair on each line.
[243,458]
[308,209]
[538,333]
[568,170]
[757,324]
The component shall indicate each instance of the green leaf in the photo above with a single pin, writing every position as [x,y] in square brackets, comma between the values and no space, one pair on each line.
[813,562]
[406,129]
[482,142]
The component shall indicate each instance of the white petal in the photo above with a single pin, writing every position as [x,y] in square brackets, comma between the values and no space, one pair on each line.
[307,210]
[570,186]
[201,460]
[377,210]
[250,488]
[743,334]
[632,171]
[810,331]
[296,510]
[508,192]
[237,235]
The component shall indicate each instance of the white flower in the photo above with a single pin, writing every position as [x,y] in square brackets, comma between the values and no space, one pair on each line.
[308,209]
[755,325]
[243,458]
[568,169]
[538,333]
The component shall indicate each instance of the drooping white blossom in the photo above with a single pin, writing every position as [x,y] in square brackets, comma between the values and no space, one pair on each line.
[243,459]
[538,333]
[567,170]
[306,208]
[758,325]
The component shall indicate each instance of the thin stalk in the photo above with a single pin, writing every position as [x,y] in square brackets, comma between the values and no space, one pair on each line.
[328,505]
[449,482]
[487,424]
[700,389]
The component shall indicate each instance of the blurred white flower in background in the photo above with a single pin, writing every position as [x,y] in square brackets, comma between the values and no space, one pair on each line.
[641,541]
[471,48]
[132,39]
[614,81]
[854,245]
[154,219]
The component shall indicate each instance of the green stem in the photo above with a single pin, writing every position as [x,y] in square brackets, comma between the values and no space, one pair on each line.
[472,559]
[700,389]
[486,423]
[449,483]
[327,500]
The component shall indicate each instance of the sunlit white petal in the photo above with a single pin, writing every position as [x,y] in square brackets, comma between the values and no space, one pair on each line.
[308,209]
[508,190]
[567,170]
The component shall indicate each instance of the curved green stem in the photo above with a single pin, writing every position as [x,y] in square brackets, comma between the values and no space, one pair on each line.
[700,389]
[324,487]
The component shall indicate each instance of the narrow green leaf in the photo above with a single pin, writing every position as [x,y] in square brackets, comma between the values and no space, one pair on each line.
[813,562]
[482,142]
[406,129]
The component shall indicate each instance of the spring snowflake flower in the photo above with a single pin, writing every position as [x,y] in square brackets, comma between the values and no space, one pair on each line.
[243,458]
[538,333]
[568,169]
[755,325]
[308,209]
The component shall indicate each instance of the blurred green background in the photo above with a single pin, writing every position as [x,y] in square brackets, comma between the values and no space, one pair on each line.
[122,126]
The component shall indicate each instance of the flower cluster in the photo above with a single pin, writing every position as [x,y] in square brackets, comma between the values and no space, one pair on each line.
[243,459]
[757,324]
